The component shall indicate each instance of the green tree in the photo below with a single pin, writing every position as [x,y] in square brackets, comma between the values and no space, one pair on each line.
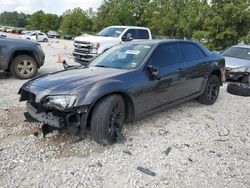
[228,22]
[14,19]
[75,22]
[120,12]
[44,22]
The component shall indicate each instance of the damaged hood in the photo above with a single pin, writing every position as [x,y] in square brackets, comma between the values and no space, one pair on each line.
[232,62]
[70,81]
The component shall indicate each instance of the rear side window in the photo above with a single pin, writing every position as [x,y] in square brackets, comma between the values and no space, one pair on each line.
[190,51]
[142,34]
[164,55]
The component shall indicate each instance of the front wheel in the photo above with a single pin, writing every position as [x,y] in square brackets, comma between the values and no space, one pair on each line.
[107,119]
[24,67]
[45,40]
[211,91]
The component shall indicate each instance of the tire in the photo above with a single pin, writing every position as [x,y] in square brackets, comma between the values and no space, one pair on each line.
[45,40]
[24,67]
[239,89]
[211,91]
[107,118]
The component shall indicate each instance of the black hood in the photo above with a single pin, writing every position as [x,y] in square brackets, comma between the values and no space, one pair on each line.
[70,80]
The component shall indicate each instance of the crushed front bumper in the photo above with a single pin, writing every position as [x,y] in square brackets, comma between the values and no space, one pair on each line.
[74,121]
[45,118]
[233,75]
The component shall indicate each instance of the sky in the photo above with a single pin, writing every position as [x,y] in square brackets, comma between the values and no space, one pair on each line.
[48,6]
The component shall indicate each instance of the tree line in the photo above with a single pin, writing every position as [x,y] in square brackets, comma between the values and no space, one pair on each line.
[216,23]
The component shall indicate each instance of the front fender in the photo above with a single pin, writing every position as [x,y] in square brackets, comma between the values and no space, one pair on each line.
[101,89]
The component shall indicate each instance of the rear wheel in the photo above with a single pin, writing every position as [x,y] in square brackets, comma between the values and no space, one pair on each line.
[24,67]
[107,119]
[211,91]
[45,40]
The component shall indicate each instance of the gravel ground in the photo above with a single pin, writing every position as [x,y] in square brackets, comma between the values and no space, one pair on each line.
[191,145]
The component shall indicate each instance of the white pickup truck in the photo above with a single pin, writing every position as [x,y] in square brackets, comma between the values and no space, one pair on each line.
[88,47]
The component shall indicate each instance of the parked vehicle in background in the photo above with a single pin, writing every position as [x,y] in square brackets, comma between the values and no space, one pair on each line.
[3,29]
[53,34]
[87,48]
[25,32]
[36,36]
[68,37]
[238,63]
[21,58]
[126,83]
[9,30]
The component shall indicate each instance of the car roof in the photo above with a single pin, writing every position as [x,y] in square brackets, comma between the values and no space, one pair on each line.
[122,26]
[155,42]
[242,46]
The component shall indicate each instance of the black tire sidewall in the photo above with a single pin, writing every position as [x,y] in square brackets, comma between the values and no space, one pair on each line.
[239,89]
[204,97]
[21,58]
[100,129]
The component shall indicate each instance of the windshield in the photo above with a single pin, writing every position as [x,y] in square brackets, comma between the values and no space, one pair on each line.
[122,57]
[111,32]
[237,52]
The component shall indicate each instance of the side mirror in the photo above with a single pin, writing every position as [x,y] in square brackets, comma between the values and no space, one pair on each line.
[127,37]
[154,72]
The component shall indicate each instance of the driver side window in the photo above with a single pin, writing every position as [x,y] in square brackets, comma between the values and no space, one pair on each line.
[129,33]
[165,54]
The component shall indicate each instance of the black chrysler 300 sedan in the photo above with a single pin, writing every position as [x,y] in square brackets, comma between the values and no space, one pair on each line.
[126,83]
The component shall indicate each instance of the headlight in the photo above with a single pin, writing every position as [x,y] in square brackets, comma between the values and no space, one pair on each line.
[60,102]
[240,69]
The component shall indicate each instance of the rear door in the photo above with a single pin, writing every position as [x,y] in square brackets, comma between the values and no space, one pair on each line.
[196,67]
[40,37]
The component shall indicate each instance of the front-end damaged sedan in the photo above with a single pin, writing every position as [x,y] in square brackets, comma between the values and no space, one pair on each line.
[126,83]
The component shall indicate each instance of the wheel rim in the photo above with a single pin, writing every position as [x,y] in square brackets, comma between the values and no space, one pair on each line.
[213,90]
[25,68]
[116,119]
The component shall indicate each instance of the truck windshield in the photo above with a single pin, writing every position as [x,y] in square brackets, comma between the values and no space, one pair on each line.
[111,32]
[238,52]
[122,57]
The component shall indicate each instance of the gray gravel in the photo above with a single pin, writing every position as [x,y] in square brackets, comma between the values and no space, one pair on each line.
[210,145]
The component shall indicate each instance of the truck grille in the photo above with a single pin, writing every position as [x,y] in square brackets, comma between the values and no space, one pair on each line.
[83,47]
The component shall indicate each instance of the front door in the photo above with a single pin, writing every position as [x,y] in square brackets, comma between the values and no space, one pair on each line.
[169,89]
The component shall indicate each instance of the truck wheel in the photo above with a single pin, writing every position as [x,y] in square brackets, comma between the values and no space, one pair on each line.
[238,89]
[107,118]
[211,91]
[24,67]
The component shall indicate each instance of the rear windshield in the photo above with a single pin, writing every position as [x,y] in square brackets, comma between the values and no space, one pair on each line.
[237,52]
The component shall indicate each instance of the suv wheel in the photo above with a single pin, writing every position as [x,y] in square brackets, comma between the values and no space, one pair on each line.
[45,40]
[211,92]
[107,119]
[24,67]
